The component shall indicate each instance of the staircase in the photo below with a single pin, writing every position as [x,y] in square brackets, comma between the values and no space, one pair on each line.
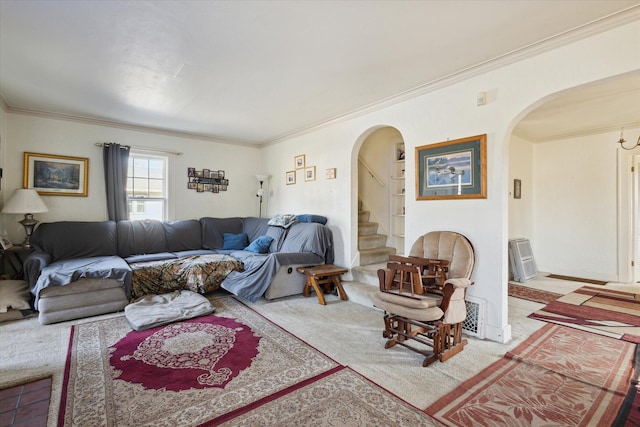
[372,246]
[374,254]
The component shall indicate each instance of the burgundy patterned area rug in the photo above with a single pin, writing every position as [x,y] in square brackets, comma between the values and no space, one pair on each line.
[602,311]
[182,374]
[532,294]
[559,376]
[230,368]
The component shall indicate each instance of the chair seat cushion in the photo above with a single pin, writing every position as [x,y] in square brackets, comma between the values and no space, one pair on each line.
[415,301]
[400,308]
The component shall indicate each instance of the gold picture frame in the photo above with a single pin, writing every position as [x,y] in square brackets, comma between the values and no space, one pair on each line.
[290,177]
[452,169]
[54,175]
[310,173]
[299,161]
[331,173]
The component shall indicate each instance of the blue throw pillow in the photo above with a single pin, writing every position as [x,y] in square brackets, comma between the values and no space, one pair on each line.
[260,245]
[235,241]
[312,218]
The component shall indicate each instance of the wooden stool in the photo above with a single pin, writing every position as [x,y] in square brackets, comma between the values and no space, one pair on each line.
[325,275]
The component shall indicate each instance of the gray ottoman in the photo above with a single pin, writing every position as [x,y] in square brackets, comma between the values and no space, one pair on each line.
[84,298]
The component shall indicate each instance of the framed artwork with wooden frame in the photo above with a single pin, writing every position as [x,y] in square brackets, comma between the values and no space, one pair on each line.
[517,189]
[452,169]
[299,161]
[310,173]
[290,177]
[53,175]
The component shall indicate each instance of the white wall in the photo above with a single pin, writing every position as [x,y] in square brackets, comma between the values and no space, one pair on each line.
[521,167]
[576,200]
[27,133]
[451,113]
[3,127]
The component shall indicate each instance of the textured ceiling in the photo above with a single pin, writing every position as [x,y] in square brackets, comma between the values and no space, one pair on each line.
[256,71]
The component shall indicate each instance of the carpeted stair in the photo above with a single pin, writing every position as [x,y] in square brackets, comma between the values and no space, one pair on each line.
[372,246]
[364,283]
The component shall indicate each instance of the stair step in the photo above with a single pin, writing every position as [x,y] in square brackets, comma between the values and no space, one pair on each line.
[368,273]
[372,241]
[367,228]
[360,293]
[363,216]
[373,256]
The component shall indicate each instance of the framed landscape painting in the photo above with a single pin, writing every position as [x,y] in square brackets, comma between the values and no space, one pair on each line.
[452,169]
[52,175]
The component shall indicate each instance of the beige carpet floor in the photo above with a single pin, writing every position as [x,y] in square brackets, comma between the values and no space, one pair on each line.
[348,332]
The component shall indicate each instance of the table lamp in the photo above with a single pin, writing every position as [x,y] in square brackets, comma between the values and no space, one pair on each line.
[25,201]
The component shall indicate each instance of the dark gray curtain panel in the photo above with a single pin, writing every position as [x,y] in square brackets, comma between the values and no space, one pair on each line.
[116,160]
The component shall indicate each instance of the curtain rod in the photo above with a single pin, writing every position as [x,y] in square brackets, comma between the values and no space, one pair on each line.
[156,150]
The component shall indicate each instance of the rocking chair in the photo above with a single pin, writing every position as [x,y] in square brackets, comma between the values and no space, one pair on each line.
[422,295]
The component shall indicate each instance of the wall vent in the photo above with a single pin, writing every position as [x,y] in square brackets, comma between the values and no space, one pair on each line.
[474,323]
[522,263]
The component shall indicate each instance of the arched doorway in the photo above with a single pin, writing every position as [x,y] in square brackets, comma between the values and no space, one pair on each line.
[577,201]
[381,185]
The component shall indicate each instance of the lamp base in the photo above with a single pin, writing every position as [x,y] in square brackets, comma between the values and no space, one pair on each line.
[28,223]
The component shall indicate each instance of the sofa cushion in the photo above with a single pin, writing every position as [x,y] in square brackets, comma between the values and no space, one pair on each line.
[278,234]
[260,245]
[183,235]
[140,237]
[254,227]
[214,228]
[67,271]
[152,311]
[158,256]
[235,241]
[194,252]
[76,239]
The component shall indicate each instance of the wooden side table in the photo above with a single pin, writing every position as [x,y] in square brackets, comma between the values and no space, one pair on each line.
[325,275]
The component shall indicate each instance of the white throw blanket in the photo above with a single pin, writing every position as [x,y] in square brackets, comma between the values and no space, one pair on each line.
[156,310]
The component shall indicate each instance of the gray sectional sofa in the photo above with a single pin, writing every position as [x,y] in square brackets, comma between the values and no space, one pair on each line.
[81,269]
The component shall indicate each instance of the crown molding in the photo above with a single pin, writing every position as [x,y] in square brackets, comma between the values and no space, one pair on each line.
[628,15]
[603,24]
[126,126]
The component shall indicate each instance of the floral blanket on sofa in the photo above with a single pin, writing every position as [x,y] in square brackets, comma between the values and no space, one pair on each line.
[200,273]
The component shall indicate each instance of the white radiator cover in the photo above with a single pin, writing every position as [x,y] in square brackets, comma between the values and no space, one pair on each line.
[474,323]
[523,264]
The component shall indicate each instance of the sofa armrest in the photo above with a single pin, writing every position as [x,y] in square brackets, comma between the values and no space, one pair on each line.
[33,265]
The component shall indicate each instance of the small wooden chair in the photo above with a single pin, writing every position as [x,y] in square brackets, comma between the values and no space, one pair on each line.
[433,272]
[430,314]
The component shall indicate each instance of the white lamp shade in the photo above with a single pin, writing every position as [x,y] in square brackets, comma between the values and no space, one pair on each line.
[262,177]
[24,200]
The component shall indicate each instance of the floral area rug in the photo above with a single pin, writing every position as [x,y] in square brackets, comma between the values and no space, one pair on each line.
[559,376]
[602,311]
[232,367]
[532,294]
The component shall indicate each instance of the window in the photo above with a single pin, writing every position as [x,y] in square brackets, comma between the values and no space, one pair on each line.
[147,186]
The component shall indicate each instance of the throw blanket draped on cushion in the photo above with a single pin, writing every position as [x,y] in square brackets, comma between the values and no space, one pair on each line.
[202,274]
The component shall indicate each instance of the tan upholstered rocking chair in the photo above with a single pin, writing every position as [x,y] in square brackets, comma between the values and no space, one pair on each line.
[423,295]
